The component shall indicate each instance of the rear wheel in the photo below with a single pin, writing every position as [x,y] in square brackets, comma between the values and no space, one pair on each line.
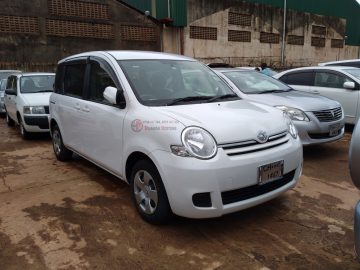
[61,152]
[9,121]
[149,194]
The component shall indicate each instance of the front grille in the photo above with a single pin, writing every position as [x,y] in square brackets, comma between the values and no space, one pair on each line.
[202,199]
[246,193]
[329,115]
[250,146]
[46,109]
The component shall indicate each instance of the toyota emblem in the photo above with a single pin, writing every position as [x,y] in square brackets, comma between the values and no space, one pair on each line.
[262,137]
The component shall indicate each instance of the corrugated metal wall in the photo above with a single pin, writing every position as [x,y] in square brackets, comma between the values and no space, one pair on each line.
[348,9]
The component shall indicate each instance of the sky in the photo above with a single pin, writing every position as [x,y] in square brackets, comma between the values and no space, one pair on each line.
[358,1]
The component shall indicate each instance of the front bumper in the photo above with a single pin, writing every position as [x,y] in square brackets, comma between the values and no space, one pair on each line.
[316,132]
[184,177]
[36,123]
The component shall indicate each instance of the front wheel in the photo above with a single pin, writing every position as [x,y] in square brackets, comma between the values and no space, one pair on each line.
[149,194]
[9,121]
[24,134]
[61,152]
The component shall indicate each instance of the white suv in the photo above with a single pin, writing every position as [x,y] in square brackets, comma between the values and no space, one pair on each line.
[27,101]
[186,144]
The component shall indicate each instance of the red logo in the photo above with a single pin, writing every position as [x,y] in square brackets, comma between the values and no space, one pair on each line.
[137,125]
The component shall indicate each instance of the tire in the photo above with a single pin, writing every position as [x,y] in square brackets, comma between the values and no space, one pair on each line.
[61,152]
[149,194]
[9,121]
[24,134]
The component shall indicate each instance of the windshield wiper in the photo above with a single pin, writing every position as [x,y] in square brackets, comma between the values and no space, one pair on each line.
[45,91]
[185,99]
[222,97]
[273,91]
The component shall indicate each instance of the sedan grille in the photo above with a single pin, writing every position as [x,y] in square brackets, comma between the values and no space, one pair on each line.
[250,146]
[329,115]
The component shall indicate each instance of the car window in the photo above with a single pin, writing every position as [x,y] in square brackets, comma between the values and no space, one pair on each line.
[37,84]
[158,82]
[298,78]
[74,79]
[332,80]
[99,80]
[252,82]
[3,84]
[354,71]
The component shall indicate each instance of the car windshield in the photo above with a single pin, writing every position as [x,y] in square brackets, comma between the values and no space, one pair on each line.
[169,82]
[354,71]
[37,84]
[6,74]
[253,82]
[3,84]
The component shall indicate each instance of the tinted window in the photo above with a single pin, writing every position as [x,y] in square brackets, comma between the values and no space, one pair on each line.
[301,78]
[332,80]
[58,87]
[37,84]
[74,79]
[99,80]
[3,84]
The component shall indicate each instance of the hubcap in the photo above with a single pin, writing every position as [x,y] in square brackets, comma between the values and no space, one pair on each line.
[145,192]
[22,129]
[56,142]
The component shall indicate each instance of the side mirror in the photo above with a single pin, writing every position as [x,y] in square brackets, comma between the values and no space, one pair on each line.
[349,85]
[115,96]
[10,92]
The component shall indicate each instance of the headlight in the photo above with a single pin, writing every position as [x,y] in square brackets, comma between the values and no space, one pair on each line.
[294,114]
[34,110]
[291,127]
[197,142]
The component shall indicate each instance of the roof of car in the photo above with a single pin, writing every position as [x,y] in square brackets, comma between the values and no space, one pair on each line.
[7,71]
[339,62]
[34,74]
[233,69]
[133,55]
[339,68]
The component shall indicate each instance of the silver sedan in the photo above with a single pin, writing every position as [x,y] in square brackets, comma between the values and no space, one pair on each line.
[317,118]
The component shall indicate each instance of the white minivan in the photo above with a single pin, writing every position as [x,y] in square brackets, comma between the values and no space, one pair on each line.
[189,147]
[27,101]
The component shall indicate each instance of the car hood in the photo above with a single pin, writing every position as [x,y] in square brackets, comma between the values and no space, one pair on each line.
[296,99]
[231,121]
[37,99]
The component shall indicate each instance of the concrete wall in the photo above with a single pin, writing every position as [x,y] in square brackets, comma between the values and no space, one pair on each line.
[264,18]
[32,39]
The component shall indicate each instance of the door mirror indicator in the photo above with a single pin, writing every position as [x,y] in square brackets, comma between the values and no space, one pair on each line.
[115,96]
[349,85]
[10,92]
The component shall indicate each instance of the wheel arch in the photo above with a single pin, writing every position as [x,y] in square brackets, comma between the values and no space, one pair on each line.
[131,161]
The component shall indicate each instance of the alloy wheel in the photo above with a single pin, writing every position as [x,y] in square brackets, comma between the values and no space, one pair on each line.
[145,192]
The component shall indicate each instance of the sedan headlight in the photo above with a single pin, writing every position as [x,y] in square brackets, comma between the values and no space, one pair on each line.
[197,142]
[34,110]
[294,114]
[291,127]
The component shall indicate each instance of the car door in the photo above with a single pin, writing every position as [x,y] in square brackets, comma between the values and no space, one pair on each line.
[10,100]
[331,84]
[69,104]
[300,80]
[102,123]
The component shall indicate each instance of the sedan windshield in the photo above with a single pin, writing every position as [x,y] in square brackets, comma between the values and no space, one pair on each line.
[354,71]
[252,82]
[173,82]
[37,84]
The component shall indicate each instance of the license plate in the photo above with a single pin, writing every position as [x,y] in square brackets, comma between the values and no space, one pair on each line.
[271,172]
[334,130]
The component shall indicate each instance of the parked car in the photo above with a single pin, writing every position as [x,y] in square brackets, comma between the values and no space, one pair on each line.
[189,145]
[2,96]
[4,74]
[317,119]
[347,63]
[338,83]
[354,161]
[27,101]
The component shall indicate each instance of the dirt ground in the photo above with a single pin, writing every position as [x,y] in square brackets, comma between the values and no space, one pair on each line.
[74,215]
